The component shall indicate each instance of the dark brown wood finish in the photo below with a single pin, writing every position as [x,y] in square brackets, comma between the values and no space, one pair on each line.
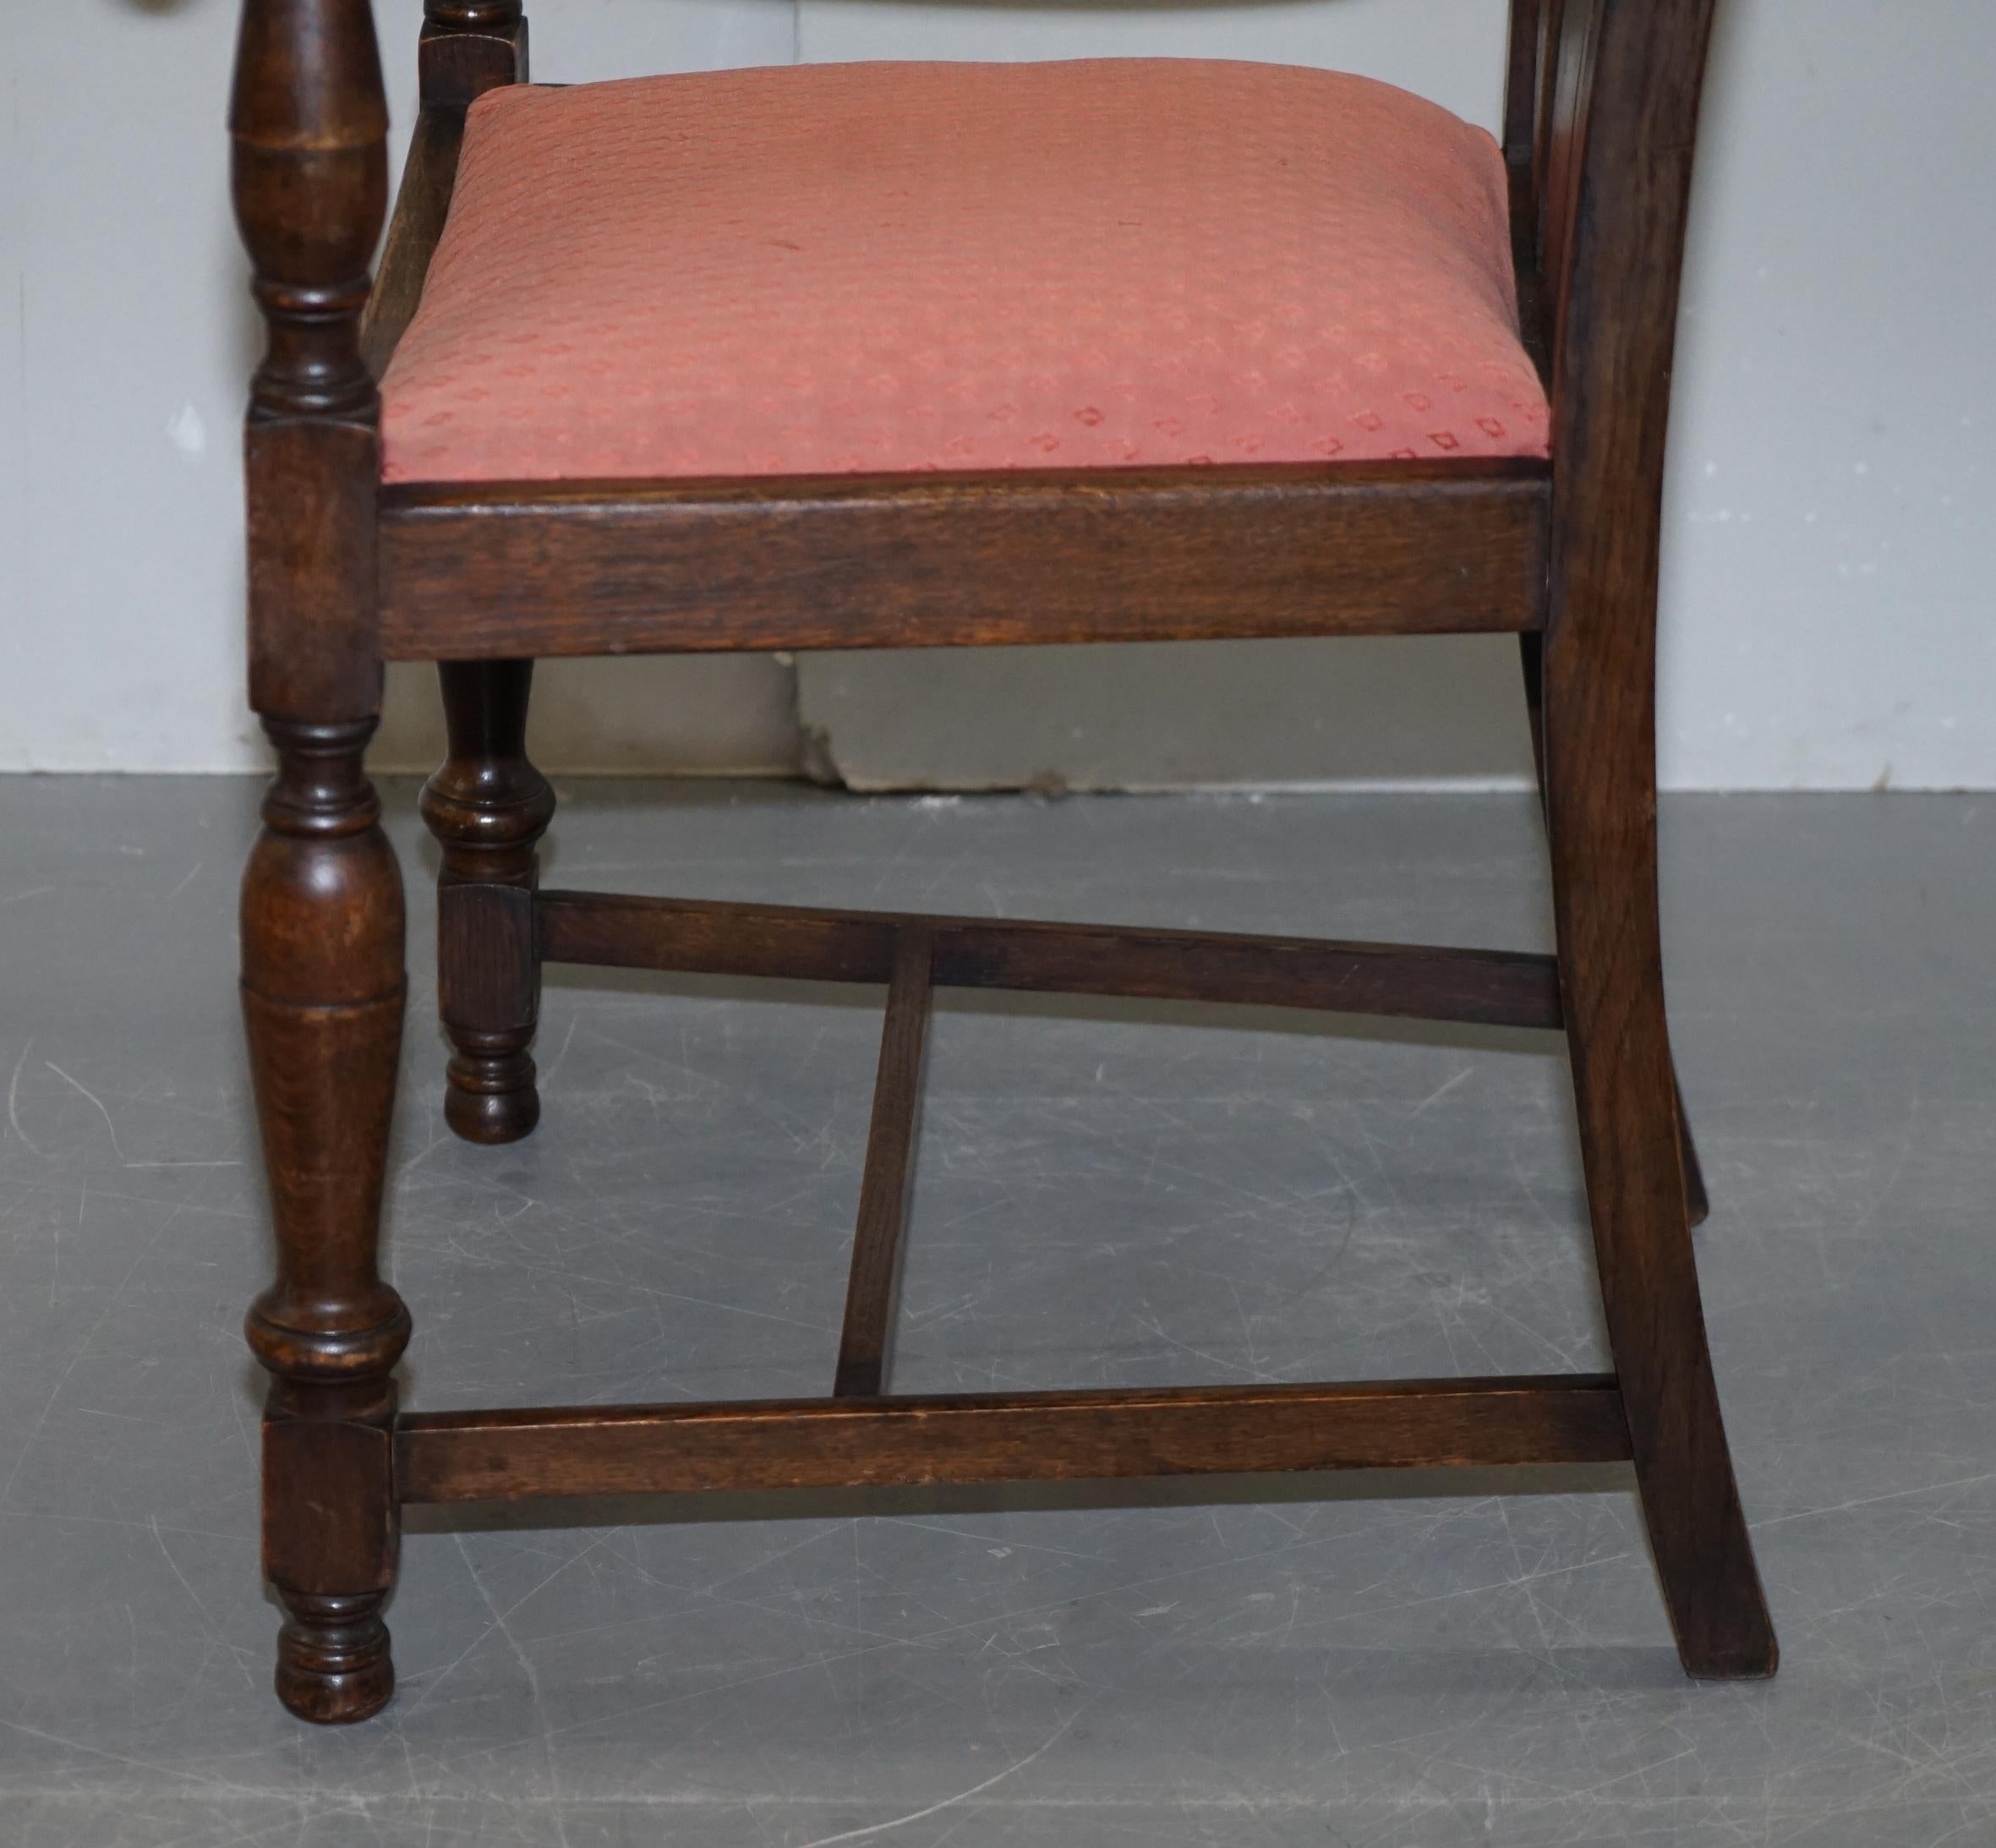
[1523,98]
[867,1333]
[1524,61]
[322,1004]
[1532,658]
[1010,1437]
[1632,188]
[1532,98]
[322,904]
[1598,128]
[469,46]
[1490,987]
[421,209]
[488,807]
[493,569]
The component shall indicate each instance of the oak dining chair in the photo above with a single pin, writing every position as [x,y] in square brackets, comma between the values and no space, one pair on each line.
[926,355]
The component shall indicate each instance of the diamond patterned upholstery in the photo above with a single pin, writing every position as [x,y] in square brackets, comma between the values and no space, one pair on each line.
[905,266]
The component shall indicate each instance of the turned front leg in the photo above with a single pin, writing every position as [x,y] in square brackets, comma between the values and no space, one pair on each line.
[323,1002]
[322,901]
[487,806]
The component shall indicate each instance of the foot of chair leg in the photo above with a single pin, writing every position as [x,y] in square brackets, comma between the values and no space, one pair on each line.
[333,1662]
[1656,1329]
[490,1096]
[1612,975]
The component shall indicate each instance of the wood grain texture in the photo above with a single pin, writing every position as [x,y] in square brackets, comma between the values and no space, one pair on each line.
[1008,1437]
[1532,25]
[322,997]
[322,921]
[866,1335]
[1532,660]
[469,46]
[471,572]
[308,175]
[487,806]
[704,936]
[422,206]
[465,49]
[1632,180]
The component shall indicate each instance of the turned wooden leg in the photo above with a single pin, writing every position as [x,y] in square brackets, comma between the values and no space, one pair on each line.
[487,806]
[1532,658]
[1600,787]
[322,1001]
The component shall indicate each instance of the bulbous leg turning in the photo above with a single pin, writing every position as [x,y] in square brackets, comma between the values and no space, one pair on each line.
[488,807]
[322,1004]
[491,1095]
[333,1664]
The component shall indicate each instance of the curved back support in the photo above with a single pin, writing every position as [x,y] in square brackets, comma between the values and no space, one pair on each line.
[1600,128]
[1600,118]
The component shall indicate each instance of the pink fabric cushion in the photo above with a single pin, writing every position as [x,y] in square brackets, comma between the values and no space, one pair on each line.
[831,268]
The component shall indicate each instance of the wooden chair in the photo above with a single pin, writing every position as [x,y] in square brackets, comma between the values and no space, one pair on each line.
[347,569]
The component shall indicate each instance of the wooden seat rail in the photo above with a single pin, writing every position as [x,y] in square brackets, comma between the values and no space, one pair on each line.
[492,571]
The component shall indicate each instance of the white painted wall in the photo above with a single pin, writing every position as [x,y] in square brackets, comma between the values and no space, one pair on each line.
[1828,618]
[128,340]
[1829,610]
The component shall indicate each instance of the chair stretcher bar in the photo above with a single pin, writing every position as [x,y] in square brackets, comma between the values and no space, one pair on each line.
[1009,1437]
[696,936]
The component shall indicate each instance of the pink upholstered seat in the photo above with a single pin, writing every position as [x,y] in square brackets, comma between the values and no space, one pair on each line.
[832,268]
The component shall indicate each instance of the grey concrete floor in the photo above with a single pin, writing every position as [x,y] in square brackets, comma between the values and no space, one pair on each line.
[1107,1194]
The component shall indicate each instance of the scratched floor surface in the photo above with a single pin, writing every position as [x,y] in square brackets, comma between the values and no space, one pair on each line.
[1107,1194]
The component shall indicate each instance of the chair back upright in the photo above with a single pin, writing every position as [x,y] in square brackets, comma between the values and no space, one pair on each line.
[1600,120]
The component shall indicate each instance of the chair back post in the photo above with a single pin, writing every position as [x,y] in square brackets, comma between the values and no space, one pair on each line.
[1614,207]
[1547,93]
[1531,20]
[309,128]
[469,46]
[1615,212]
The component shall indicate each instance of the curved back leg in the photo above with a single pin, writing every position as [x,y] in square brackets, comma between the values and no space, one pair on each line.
[1532,658]
[1601,809]
[1625,80]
